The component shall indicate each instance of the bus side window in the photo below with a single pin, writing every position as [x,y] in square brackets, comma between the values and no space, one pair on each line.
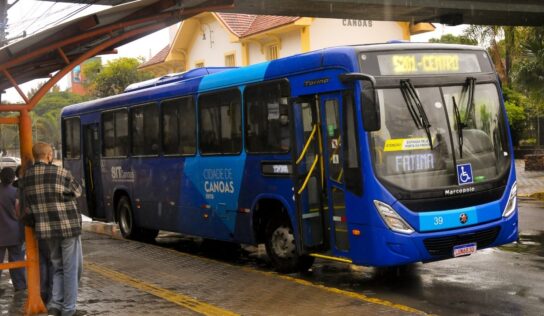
[352,162]
[267,118]
[178,127]
[220,122]
[72,138]
[145,130]
[115,133]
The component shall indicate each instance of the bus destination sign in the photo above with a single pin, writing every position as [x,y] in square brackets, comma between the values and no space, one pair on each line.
[421,63]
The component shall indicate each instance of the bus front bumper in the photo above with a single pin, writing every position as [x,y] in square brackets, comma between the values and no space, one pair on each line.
[379,246]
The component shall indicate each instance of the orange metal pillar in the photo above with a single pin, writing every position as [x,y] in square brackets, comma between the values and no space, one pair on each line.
[25,138]
[34,303]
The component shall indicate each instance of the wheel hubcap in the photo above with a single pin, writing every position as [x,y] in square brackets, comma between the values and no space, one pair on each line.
[283,242]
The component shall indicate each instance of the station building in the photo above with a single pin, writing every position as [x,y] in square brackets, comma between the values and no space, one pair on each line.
[228,39]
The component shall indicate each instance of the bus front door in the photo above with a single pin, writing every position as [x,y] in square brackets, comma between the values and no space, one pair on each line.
[308,175]
[91,161]
[332,136]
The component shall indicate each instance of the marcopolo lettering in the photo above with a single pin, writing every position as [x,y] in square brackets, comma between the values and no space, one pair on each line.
[464,190]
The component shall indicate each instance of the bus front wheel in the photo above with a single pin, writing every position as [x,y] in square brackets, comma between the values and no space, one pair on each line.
[282,250]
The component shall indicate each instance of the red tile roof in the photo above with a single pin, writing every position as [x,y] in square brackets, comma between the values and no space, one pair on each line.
[243,25]
[237,23]
[240,24]
[158,58]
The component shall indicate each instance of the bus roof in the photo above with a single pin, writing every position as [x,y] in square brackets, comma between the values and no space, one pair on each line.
[415,46]
[209,78]
[190,74]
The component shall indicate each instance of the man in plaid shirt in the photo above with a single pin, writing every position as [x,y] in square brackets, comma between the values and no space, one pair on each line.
[50,193]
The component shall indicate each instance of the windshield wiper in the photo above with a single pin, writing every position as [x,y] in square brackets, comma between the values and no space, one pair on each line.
[459,125]
[413,103]
[468,88]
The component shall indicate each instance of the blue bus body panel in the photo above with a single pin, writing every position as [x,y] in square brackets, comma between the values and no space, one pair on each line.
[391,248]
[254,73]
[448,219]
[218,183]
[216,196]
[386,248]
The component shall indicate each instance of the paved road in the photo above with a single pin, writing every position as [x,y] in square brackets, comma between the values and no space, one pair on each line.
[504,281]
[129,278]
[529,182]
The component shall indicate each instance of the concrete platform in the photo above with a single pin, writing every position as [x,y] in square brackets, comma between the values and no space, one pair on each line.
[131,278]
[530,183]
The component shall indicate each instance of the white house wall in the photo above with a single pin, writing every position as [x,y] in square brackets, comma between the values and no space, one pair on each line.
[290,44]
[212,55]
[334,32]
[255,54]
[323,33]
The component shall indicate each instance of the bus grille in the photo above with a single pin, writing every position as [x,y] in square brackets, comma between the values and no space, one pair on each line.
[443,246]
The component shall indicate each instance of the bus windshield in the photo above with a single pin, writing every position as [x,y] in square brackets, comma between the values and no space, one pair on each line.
[465,125]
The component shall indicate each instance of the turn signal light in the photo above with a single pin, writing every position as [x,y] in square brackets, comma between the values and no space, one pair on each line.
[356,232]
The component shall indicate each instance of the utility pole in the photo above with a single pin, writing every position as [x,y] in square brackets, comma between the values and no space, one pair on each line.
[3,21]
[4,7]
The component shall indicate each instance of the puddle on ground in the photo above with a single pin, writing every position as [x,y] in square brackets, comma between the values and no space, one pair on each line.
[528,242]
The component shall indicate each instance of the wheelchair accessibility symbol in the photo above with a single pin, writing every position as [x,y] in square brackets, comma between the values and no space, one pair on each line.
[464,174]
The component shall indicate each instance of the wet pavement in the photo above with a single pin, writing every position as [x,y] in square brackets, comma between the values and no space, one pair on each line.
[529,182]
[508,280]
[186,276]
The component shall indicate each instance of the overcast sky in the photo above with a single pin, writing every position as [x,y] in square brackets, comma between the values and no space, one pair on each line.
[32,16]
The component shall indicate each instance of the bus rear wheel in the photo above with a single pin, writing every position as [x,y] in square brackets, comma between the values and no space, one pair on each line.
[126,223]
[126,220]
[282,250]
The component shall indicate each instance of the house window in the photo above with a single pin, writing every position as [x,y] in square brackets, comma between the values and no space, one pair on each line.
[230,60]
[272,52]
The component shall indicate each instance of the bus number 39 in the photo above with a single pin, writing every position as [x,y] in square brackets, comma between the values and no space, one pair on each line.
[438,220]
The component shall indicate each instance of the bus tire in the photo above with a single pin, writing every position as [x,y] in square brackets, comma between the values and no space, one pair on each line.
[282,250]
[126,218]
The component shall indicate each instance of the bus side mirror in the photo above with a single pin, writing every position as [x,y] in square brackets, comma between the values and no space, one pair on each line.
[370,106]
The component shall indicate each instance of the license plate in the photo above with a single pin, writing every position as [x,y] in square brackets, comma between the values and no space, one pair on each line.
[464,250]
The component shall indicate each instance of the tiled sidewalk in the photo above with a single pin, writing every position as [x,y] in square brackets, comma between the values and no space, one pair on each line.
[529,182]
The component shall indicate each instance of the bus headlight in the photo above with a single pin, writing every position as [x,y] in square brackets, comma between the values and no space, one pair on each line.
[392,219]
[512,201]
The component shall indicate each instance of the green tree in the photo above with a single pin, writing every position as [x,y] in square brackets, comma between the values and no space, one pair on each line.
[46,115]
[515,103]
[530,71]
[490,36]
[452,39]
[114,77]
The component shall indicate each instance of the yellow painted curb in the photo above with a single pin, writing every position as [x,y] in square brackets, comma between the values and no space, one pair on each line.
[176,298]
[352,295]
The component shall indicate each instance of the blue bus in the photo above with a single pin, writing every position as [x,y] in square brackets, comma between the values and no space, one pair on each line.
[376,155]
